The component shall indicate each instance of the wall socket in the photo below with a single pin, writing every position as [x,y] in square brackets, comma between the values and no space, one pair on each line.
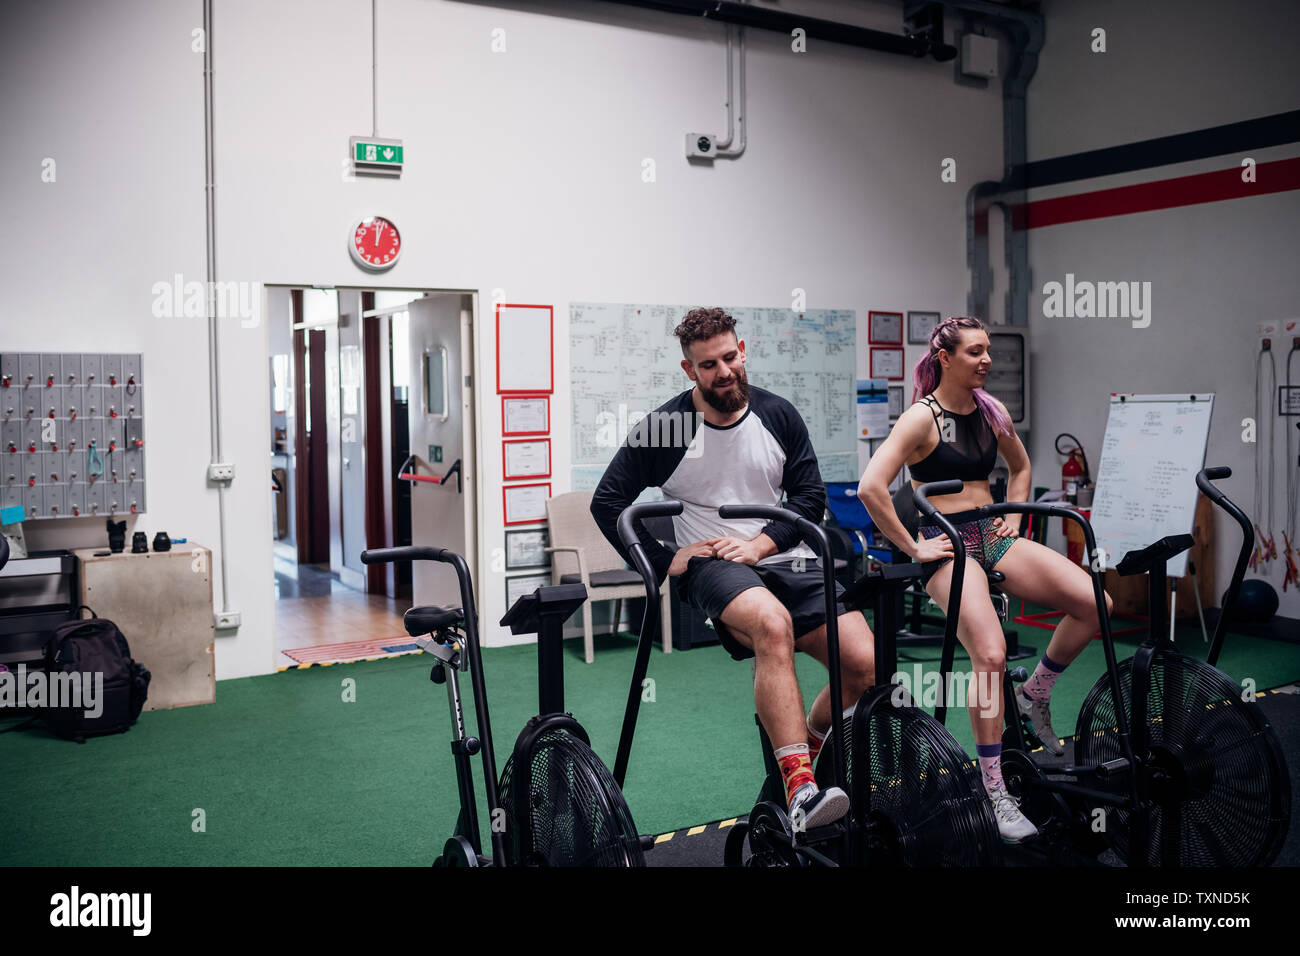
[221,472]
[227,620]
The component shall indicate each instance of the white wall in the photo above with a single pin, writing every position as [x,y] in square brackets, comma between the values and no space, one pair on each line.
[524,174]
[1216,269]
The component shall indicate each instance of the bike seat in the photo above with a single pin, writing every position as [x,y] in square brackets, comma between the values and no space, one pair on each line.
[995,577]
[419,621]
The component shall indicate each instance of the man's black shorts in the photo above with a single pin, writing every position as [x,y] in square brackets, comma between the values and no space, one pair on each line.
[710,584]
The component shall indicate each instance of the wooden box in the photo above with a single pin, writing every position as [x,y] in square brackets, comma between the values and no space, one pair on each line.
[162,604]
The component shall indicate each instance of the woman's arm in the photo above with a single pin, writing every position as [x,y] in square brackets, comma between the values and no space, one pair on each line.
[908,433]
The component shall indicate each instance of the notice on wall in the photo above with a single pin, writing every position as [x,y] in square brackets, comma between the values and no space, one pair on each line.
[1146,482]
[873,408]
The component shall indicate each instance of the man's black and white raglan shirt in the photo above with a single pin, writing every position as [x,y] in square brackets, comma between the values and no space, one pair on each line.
[751,461]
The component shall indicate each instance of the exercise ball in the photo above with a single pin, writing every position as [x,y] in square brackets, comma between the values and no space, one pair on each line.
[1256,602]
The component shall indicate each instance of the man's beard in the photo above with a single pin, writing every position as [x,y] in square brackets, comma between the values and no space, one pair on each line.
[733,400]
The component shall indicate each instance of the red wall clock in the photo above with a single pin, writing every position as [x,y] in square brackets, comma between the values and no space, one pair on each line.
[375,243]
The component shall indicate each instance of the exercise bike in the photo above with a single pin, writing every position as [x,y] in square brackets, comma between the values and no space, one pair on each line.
[555,803]
[1172,765]
[914,797]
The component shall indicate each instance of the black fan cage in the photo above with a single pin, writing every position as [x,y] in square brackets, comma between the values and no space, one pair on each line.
[564,808]
[913,786]
[1218,782]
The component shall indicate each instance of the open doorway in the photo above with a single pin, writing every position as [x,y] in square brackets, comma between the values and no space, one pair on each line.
[349,379]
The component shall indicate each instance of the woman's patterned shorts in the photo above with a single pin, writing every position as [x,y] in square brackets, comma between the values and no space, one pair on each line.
[979,537]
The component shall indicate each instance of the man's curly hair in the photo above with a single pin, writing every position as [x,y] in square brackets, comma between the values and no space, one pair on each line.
[703,324]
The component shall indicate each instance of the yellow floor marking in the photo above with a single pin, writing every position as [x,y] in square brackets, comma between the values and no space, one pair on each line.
[663,838]
[727,823]
[695,830]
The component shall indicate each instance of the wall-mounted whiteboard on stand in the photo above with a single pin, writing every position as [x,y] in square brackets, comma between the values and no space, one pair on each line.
[524,360]
[1146,483]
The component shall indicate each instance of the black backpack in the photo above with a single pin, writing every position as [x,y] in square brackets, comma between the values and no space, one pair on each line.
[89,647]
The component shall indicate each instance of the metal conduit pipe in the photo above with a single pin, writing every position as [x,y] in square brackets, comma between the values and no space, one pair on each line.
[214,376]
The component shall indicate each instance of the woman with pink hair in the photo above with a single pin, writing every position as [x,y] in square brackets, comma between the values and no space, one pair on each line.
[957,430]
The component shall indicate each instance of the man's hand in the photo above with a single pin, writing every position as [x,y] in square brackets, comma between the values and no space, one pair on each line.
[742,551]
[700,549]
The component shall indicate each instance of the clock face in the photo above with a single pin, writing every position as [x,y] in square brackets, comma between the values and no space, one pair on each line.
[375,244]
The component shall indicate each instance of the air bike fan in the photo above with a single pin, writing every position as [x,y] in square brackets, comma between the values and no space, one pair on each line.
[561,805]
[1218,782]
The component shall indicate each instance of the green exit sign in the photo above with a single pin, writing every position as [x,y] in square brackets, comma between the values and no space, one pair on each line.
[384,153]
[375,156]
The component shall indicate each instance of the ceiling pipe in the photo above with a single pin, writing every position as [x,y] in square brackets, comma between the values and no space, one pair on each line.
[776,21]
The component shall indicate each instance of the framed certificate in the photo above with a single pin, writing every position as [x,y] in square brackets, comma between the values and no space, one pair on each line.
[886,363]
[895,401]
[920,326]
[526,415]
[885,328]
[524,360]
[526,458]
[525,504]
[527,549]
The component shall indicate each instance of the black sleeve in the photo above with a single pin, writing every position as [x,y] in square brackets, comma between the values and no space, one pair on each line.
[631,472]
[801,480]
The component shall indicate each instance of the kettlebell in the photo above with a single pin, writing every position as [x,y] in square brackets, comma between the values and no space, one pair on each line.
[161,542]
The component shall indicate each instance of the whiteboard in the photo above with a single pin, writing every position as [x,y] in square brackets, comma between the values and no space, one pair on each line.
[1146,483]
[624,362]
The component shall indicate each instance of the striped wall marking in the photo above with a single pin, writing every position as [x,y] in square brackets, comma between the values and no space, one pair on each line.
[1280,175]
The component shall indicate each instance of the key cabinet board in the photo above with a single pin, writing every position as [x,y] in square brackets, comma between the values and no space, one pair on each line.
[72,437]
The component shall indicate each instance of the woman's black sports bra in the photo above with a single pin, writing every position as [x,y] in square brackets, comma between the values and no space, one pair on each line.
[971,454]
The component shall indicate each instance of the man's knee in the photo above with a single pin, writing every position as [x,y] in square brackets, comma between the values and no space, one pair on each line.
[857,652]
[772,632]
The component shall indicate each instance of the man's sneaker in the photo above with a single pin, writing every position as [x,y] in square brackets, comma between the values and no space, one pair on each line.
[1013,826]
[1040,717]
[817,807]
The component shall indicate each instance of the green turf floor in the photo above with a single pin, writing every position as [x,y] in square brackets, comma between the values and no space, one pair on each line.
[282,770]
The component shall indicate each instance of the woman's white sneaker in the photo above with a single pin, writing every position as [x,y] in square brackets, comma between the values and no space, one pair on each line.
[1013,826]
[1040,718]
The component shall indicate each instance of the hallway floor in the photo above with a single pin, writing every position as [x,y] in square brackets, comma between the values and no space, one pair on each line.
[315,608]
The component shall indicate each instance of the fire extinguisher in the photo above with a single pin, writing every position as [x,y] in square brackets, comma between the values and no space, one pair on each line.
[1074,475]
[1071,475]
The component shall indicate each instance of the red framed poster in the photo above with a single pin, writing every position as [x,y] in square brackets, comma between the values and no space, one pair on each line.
[525,504]
[525,458]
[525,415]
[527,363]
[886,362]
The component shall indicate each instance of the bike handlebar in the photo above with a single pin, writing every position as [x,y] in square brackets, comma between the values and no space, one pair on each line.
[639,512]
[407,553]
